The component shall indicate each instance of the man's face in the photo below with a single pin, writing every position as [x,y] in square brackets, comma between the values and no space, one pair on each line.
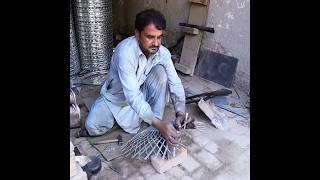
[149,39]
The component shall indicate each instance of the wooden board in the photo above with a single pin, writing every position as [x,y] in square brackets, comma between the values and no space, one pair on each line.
[191,45]
[189,55]
[198,14]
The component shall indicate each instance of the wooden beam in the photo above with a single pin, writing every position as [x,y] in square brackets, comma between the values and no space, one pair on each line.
[191,45]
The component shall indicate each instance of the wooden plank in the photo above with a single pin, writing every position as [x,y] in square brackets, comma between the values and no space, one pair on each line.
[189,55]
[191,45]
[198,15]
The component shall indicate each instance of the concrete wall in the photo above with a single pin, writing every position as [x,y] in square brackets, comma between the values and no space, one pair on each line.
[231,20]
[124,12]
[119,25]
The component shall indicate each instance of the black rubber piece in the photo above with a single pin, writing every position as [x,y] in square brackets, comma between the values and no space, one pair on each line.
[76,151]
[94,165]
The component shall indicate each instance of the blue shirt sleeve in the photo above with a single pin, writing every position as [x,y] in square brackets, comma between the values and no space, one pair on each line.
[175,85]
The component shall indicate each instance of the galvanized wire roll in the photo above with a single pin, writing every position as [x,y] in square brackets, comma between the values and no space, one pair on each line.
[93,20]
[72,97]
[75,113]
[74,54]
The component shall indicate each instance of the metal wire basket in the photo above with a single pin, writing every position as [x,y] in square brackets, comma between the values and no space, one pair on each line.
[147,143]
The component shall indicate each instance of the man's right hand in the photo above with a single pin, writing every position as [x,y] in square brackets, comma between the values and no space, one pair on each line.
[168,131]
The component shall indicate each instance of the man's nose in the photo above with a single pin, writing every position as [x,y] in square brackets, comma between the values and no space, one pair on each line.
[157,42]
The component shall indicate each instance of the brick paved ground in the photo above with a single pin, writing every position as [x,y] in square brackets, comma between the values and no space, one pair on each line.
[212,153]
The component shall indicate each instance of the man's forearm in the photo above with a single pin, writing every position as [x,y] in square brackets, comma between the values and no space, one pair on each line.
[155,123]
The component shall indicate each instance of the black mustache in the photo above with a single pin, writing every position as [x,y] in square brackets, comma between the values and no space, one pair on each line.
[154,47]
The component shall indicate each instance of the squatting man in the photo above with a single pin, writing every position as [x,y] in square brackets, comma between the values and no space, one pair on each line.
[140,79]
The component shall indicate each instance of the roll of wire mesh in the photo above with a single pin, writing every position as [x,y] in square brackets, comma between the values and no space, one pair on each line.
[74,108]
[72,97]
[74,54]
[93,22]
[74,113]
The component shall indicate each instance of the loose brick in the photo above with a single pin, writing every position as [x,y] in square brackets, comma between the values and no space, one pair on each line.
[164,165]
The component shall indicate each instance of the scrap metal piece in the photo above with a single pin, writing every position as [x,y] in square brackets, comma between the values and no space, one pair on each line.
[201,28]
[218,119]
[206,96]
[232,105]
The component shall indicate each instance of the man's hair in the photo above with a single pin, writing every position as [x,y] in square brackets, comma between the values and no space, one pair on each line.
[150,16]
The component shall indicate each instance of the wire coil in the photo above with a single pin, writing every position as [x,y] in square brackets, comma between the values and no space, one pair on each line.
[93,22]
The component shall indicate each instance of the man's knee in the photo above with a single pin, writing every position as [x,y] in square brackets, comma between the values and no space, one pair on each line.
[99,119]
[160,75]
[98,125]
[95,130]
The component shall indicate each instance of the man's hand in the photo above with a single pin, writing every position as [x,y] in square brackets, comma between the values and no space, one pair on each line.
[179,119]
[168,131]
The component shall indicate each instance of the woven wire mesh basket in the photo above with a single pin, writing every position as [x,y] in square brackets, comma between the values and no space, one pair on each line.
[147,143]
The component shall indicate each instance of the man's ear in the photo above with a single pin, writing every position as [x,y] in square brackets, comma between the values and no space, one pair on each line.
[136,33]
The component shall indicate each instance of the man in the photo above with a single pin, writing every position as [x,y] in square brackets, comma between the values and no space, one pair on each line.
[140,76]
